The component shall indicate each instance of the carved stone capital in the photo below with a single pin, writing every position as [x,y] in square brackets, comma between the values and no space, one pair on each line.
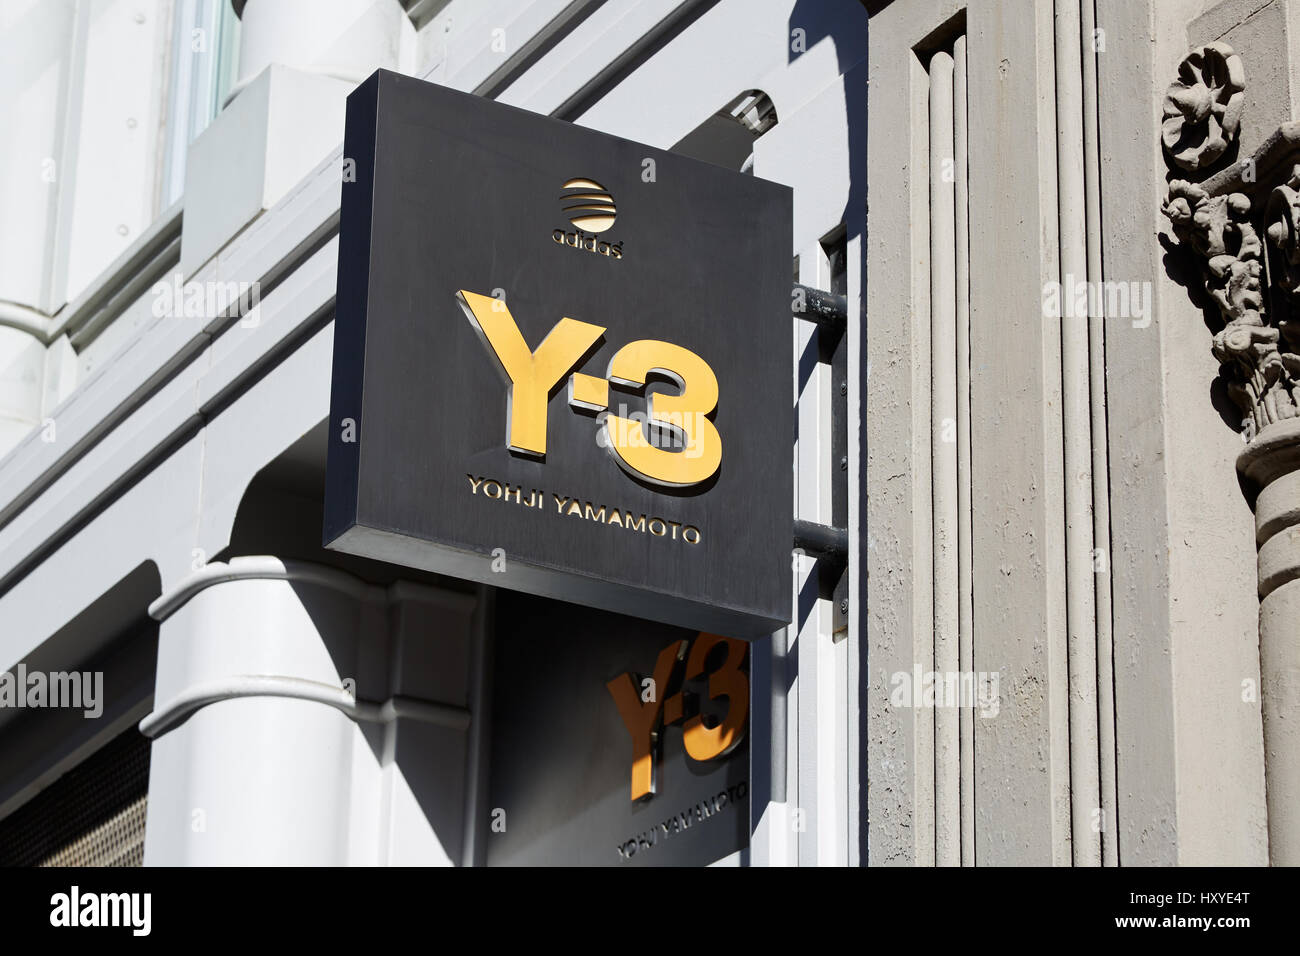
[1258,363]
[1219,229]
[1222,221]
[1280,219]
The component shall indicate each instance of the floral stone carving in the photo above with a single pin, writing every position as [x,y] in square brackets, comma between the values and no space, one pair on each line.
[1202,110]
[1220,230]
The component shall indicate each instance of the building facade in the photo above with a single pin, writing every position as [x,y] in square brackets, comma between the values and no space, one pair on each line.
[1043,471]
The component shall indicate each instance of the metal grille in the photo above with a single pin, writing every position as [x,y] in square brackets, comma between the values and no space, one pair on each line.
[91,816]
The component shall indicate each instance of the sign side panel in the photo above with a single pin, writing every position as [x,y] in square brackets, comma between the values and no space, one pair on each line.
[355,218]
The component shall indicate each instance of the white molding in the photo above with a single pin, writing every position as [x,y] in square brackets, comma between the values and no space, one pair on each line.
[261,568]
[470,61]
[200,695]
[165,353]
[264,567]
[590,50]
[136,257]
[25,319]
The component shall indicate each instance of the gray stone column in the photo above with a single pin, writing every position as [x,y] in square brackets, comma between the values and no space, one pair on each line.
[1270,473]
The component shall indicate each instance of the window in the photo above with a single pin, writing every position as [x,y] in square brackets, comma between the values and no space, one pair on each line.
[205,46]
